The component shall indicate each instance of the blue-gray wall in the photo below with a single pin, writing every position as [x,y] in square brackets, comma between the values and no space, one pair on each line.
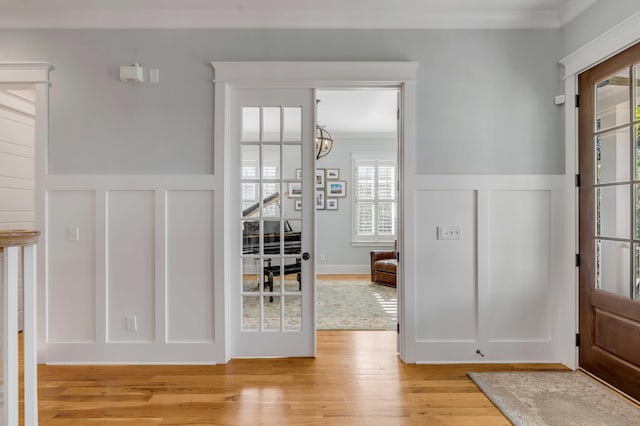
[485,98]
[598,19]
[334,226]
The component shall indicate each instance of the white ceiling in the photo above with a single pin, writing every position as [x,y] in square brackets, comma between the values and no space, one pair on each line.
[358,113]
[289,13]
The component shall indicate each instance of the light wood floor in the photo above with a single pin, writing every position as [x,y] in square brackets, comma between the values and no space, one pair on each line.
[356,379]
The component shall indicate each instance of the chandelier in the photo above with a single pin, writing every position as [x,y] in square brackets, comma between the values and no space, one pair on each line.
[324,142]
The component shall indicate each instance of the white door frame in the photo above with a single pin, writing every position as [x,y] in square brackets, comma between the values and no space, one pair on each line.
[315,75]
[599,49]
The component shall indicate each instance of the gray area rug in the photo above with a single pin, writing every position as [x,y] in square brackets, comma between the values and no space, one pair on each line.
[356,305]
[555,398]
[340,305]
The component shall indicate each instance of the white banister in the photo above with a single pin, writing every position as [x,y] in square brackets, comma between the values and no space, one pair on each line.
[10,243]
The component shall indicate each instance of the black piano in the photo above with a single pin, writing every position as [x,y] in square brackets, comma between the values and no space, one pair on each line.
[272,234]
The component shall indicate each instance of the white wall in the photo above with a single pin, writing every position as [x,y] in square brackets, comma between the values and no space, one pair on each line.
[117,151]
[17,202]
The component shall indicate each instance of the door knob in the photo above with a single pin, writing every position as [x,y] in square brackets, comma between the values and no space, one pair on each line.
[306,256]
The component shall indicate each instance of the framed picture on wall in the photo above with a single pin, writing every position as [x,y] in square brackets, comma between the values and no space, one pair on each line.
[337,189]
[294,190]
[332,204]
[297,204]
[333,174]
[319,200]
[319,178]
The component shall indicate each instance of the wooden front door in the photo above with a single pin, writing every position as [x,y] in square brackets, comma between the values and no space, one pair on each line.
[609,164]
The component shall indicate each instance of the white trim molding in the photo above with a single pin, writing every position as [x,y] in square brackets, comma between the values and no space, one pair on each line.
[24,72]
[604,46]
[317,75]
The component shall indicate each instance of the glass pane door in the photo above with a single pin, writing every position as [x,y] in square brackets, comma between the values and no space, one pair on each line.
[275,286]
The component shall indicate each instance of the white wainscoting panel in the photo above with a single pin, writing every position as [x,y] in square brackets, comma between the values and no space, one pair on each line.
[518,253]
[71,266]
[445,269]
[190,266]
[131,264]
[489,296]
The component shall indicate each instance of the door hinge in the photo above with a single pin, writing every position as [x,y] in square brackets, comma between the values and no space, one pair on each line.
[577,181]
[577,260]
[398,114]
[398,324]
[577,101]
[577,339]
[398,256]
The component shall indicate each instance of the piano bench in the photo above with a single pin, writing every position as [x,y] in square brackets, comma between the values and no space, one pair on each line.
[274,271]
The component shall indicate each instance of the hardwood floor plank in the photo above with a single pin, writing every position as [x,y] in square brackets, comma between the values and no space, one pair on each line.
[356,379]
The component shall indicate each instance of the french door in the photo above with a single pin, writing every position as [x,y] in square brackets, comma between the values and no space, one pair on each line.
[609,222]
[272,279]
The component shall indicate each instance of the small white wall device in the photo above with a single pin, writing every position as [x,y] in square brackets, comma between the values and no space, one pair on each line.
[132,73]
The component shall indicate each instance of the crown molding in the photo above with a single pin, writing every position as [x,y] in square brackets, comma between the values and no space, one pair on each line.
[397,18]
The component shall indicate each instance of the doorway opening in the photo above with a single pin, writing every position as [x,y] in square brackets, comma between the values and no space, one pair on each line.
[357,210]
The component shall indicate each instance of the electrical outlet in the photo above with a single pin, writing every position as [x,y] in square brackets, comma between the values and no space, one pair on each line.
[323,257]
[449,232]
[73,234]
[131,323]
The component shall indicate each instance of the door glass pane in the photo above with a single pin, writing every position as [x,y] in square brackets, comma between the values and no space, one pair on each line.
[612,266]
[251,268]
[250,312]
[292,208]
[250,157]
[292,236]
[612,211]
[270,124]
[251,237]
[272,275]
[272,313]
[292,162]
[271,201]
[271,162]
[293,313]
[292,131]
[250,195]
[612,101]
[250,124]
[271,235]
[612,156]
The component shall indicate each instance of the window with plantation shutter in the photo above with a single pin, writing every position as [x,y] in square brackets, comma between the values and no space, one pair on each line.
[374,199]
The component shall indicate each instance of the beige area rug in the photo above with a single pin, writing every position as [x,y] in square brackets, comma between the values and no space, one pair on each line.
[555,398]
[340,305]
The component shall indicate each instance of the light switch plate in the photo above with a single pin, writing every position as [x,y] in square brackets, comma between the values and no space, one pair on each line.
[449,232]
